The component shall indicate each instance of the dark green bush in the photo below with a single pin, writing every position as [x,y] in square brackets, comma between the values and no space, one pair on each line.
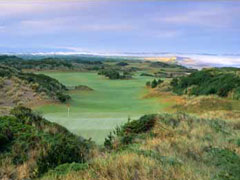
[28,131]
[144,124]
[114,74]
[66,149]
[128,131]
[108,141]
[154,83]
[63,97]
[207,82]
[227,161]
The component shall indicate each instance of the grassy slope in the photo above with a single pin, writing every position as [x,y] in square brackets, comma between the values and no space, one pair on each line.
[179,147]
[95,113]
[31,145]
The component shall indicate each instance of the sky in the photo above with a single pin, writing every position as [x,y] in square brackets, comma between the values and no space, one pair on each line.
[120,26]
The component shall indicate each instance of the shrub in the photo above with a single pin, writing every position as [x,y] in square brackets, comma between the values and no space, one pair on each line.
[39,83]
[154,83]
[63,97]
[53,144]
[227,161]
[68,167]
[207,82]
[128,131]
[144,124]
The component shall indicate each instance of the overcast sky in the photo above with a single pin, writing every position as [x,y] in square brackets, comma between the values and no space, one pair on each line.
[120,26]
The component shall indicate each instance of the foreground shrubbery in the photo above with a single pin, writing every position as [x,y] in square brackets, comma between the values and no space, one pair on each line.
[160,146]
[164,146]
[206,82]
[31,145]
[128,131]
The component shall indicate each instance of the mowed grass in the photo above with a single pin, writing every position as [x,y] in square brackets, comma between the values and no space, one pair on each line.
[94,114]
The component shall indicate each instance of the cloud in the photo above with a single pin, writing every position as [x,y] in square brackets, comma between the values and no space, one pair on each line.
[71,24]
[218,17]
[107,27]
[33,8]
[167,33]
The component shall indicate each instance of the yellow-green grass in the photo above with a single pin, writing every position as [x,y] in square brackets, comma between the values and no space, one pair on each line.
[93,114]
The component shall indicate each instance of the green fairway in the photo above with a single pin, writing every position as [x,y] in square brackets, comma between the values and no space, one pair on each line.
[95,113]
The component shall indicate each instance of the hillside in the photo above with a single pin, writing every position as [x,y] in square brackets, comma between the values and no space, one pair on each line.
[18,88]
[51,63]
[224,82]
[162,146]
[165,147]
[201,145]
[31,145]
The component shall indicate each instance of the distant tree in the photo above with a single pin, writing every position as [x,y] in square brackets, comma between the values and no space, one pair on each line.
[154,83]
[122,64]
[159,81]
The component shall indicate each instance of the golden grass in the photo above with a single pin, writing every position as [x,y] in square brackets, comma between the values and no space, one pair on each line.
[14,91]
[184,143]
[162,59]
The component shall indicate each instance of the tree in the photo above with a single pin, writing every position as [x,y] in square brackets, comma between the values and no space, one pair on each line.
[154,83]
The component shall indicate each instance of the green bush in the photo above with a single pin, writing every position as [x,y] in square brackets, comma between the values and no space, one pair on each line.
[68,167]
[227,161]
[154,83]
[27,131]
[114,74]
[144,124]
[128,131]
[207,82]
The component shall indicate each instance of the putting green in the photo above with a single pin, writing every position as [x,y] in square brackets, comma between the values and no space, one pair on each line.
[94,114]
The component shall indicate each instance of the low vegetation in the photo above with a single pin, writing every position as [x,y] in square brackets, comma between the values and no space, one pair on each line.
[209,82]
[39,83]
[63,64]
[122,64]
[31,145]
[179,146]
[83,88]
[166,65]
[114,74]
[154,83]
[164,146]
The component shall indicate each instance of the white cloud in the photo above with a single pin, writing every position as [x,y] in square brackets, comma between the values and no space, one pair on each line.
[209,17]
[72,24]
[167,33]
[14,8]
[106,27]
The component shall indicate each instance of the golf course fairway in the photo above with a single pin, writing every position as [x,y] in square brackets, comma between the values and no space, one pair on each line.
[93,114]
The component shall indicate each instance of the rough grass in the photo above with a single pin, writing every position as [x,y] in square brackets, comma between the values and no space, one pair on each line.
[94,114]
[178,147]
[31,145]
[14,91]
